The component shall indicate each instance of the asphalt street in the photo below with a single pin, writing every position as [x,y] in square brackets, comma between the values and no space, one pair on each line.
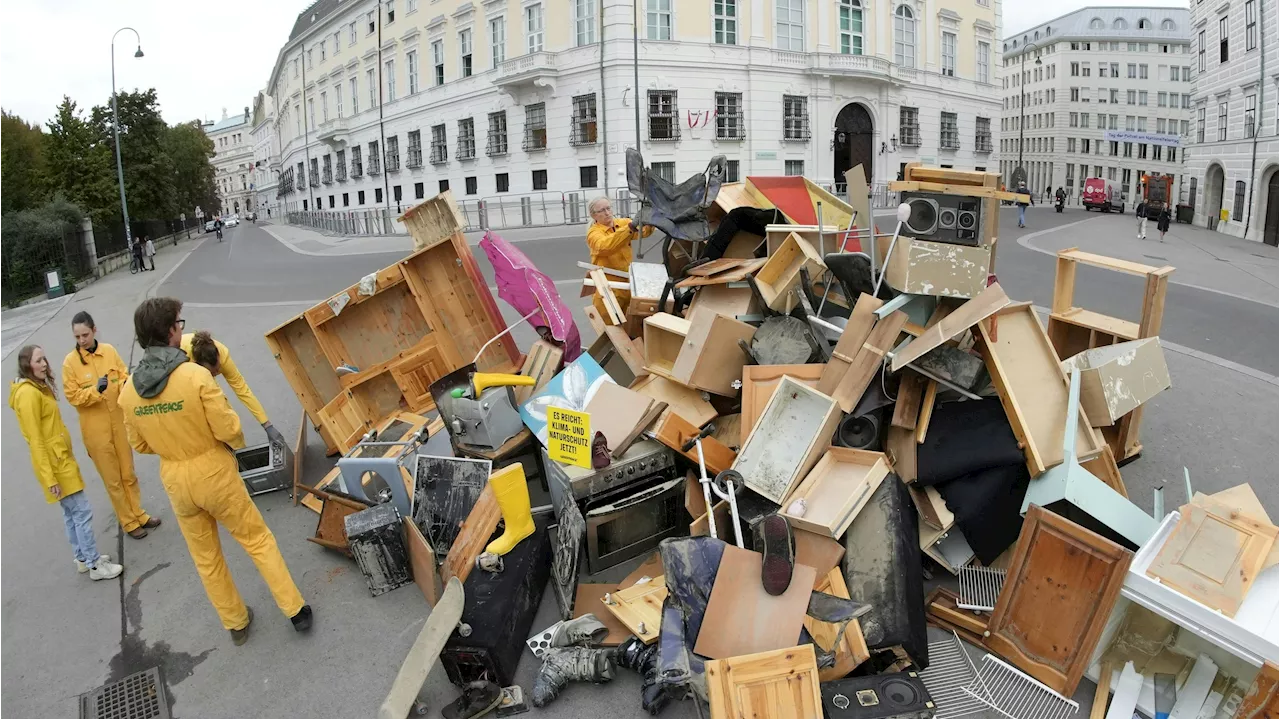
[65,635]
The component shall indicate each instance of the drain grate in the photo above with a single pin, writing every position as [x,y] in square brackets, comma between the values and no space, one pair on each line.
[137,696]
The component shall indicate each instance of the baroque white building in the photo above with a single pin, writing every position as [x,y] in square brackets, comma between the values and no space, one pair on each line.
[264,180]
[232,161]
[384,104]
[1232,158]
[1099,92]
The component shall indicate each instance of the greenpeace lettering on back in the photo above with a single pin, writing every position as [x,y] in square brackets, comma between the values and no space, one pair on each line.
[158,408]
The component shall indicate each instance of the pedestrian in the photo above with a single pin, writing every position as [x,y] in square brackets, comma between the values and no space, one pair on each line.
[217,359]
[174,408]
[92,375]
[1162,220]
[149,249]
[1142,219]
[609,238]
[33,398]
[136,248]
[1022,206]
[1048,193]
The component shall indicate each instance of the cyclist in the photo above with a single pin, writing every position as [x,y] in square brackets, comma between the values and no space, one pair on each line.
[217,226]
[137,249]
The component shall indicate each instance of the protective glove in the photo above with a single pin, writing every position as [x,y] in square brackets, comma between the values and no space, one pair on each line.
[273,434]
[102,384]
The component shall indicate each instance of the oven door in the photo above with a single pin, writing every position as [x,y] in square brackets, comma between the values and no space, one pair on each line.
[635,524]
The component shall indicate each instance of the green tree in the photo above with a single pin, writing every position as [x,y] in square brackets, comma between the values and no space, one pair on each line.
[21,164]
[148,173]
[189,150]
[79,164]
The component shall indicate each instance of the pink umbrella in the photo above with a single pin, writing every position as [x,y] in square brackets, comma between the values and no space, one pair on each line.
[531,293]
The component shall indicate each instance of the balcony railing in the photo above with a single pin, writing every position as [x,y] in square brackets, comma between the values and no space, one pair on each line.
[796,129]
[393,162]
[582,130]
[496,144]
[415,157]
[439,152]
[982,143]
[909,135]
[328,176]
[357,169]
[535,138]
[466,147]
[526,68]
[375,167]
[950,140]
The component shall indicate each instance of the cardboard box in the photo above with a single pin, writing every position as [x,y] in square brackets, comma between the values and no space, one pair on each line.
[920,267]
[1117,379]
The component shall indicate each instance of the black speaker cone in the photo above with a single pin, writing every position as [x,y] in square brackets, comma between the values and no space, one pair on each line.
[898,692]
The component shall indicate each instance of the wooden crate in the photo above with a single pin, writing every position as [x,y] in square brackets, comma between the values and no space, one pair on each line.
[788,440]
[710,358]
[836,489]
[663,338]
[782,272]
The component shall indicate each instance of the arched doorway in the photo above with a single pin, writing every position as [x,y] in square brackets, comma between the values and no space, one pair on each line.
[1271,213]
[1213,195]
[853,143]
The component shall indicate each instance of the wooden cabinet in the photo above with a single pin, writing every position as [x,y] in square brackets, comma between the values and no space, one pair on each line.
[1060,590]
[759,382]
[781,684]
[415,373]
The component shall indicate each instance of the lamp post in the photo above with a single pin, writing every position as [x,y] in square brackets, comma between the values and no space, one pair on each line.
[115,128]
[1022,102]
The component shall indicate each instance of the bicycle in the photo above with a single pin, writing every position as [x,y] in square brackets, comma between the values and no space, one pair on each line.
[219,231]
[135,265]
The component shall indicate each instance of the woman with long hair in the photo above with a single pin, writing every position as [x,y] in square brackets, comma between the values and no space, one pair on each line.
[92,375]
[33,397]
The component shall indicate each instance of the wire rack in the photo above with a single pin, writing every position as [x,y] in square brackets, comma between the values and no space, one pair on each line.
[1016,695]
[950,678]
[980,588]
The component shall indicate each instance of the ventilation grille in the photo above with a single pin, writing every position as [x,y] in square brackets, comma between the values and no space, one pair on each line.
[980,588]
[1016,695]
[137,696]
[950,674]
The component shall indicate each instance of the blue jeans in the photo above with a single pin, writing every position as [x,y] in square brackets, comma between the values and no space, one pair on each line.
[77,514]
[1022,214]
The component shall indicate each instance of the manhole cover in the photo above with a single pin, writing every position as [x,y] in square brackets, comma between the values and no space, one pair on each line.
[137,696]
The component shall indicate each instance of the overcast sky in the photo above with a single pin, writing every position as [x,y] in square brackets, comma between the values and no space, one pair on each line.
[200,56]
[203,57]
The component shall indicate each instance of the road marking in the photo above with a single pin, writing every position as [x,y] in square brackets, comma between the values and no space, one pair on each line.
[151,291]
[283,303]
[288,244]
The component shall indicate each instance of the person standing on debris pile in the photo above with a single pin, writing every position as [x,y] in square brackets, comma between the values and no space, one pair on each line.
[609,238]
[92,376]
[174,408]
[33,398]
[226,367]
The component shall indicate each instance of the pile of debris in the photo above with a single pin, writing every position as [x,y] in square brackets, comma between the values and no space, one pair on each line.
[782,440]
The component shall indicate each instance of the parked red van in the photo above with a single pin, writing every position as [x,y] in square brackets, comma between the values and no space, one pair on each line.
[1102,194]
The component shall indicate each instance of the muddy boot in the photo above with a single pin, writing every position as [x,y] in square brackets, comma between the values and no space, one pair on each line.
[478,698]
[241,635]
[563,665]
[779,554]
[643,660]
[584,631]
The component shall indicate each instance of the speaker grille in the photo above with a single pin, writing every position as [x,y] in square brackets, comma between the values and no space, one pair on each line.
[924,216]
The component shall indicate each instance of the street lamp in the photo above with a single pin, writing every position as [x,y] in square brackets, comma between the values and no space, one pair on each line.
[115,116]
[1022,101]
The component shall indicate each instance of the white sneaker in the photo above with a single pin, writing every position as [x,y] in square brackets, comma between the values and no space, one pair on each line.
[105,570]
[81,567]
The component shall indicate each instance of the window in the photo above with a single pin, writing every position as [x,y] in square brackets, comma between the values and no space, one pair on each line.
[341,167]
[950,138]
[795,117]
[373,87]
[1142,151]
[1222,40]
[904,37]
[1075,94]
[498,40]
[731,171]
[370,23]
[1156,152]
[1162,99]
[437,60]
[794,168]
[1119,24]
[949,54]
[850,27]
[410,6]
[1132,70]
[360,197]
[443,185]
[351,34]
[346,199]
[540,179]
[1114,96]
[584,22]
[1113,122]
[375,159]
[395,194]
[1142,124]
[377,194]
[1222,121]
[311,112]
[983,62]
[1200,125]
[328,171]
[357,167]
[324,51]
[657,14]
[415,149]
[1200,45]
[1142,98]
[583,129]
[789,24]
[1185,130]
[726,22]
[502,182]
[1102,121]
[909,127]
[497,142]
[355,97]
[472,185]
[391,11]
[1075,69]
[467,140]
[1102,69]
[1084,146]
[730,124]
[587,177]
[1142,71]
[1115,69]
[1250,113]
[1128,149]
[393,154]
[1237,213]
[1071,144]
[1131,97]
[533,28]
[982,136]
[535,127]
[324,108]
[1073,120]
[464,49]
[390,73]
[1250,25]
[1096,24]
[664,121]
[1115,148]
[337,99]
[439,144]
[310,58]
[411,59]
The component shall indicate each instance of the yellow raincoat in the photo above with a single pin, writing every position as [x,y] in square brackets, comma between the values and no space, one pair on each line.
[610,247]
[235,380]
[174,408]
[102,426]
[48,438]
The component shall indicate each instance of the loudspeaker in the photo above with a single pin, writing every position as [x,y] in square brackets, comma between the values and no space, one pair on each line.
[861,432]
[901,695]
[923,220]
[944,218]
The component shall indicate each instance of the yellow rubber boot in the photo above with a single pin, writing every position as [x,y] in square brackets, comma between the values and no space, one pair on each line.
[513,498]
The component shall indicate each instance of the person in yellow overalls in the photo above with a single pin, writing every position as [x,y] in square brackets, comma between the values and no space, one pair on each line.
[174,408]
[609,238]
[33,398]
[227,368]
[92,376]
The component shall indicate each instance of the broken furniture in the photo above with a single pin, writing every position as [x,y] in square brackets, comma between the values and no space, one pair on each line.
[356,467]
[794,430]
[391,428]
[445,490]
[638,607]
[849,647]
[1073,330]
[618,354]
[742,618]
[376,537]
[265,467]
[781,273]
[331,531]
[835,490]
[423,655]
[759,382]
[780,684]
[1117,379]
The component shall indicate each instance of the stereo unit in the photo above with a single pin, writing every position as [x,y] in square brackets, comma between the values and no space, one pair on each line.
[944,218]
[901,695]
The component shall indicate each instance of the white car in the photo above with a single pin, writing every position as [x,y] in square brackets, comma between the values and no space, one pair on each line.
[231,221]
[209,226]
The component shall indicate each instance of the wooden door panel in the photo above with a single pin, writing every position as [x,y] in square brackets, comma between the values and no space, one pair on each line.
[1062,585]
[345,419]
[415,373]
[780,684]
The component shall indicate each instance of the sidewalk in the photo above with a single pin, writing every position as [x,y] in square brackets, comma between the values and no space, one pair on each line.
[1205,260]
[307,241]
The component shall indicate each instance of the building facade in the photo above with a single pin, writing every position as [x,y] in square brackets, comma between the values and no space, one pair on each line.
[1100,92]
[1231,159]
[232,161]
[382,105]
[264,181]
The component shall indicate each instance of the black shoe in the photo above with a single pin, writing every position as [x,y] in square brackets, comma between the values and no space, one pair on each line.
[478,698]
[779,554]
[241,635]
[302,620]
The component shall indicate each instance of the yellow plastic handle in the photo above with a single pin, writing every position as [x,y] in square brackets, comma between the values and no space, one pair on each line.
[481,381]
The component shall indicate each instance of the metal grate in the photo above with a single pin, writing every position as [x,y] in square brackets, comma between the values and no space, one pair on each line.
[980,588]
[137,696]
[1016,695]
[949,677]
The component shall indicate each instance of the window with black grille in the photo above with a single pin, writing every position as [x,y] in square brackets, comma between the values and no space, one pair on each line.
[582,130]
[664,121]
[730,121]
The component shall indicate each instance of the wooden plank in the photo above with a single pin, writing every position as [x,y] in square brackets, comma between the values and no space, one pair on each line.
[836,489]
[852,649]
[950,177]
[931,507]
[759,382]
[942,610]
[861,320]
[1112,263]
[1260,701]
[422,558]
[961,190]
[542,363]
[869,358]
[433,221]
[747,268]
[1102,691]
[742,618]
[651,567]
[299,453]
[987,303]
[617,411]
[906,408]
[781,684]
[593,317]
[900,447]
[639,608]
[1242,498]
[781,272]
[1045,631]
[926,410]
[1126,695]
[724,264]
[1099,323]
[626,349]
[1214,554]
[1064,284]
[655,411]
[480,525]
[680,400]
[614,310]
[673,431]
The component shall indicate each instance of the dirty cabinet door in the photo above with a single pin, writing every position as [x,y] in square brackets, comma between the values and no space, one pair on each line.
[1062,585]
